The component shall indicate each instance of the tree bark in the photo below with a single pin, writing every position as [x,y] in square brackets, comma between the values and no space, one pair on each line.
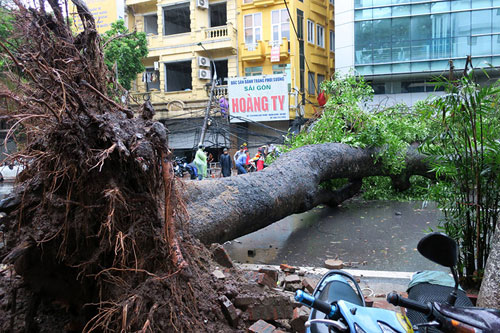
[226,208]
[489,294]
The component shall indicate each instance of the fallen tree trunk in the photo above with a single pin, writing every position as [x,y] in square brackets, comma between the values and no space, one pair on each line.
[227,208]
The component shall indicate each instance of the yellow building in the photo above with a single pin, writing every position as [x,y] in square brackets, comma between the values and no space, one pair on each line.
[187,40]
[296,38]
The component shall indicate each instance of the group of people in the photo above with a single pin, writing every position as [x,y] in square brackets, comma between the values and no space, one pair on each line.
[242,161]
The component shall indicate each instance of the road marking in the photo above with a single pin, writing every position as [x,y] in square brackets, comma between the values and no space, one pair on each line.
[354,272]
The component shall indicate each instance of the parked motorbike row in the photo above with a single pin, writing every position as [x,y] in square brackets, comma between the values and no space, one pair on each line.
[434,304]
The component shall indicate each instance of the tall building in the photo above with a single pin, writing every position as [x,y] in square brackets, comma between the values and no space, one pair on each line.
[400,46]
[295,38]
[187,42]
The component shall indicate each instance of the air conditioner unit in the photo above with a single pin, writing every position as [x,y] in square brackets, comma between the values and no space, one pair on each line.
[203,62]
[157,65]
[204,74]
[202,3]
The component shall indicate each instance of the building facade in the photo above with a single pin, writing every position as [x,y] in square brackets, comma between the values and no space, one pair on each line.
[187,42]
[190,40]
[400,46]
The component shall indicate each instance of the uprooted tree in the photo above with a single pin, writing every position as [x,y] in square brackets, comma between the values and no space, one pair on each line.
[96,223]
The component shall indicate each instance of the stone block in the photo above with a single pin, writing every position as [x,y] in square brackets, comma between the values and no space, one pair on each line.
[219,254]
[229,311]
[261,326]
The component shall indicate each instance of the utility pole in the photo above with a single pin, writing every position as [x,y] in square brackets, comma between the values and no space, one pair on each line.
[209,104]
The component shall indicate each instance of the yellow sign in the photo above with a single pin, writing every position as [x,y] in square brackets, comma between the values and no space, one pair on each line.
[105,12]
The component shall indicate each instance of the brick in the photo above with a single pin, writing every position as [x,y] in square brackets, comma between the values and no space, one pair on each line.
[288,268]
[229,311]
[293,278]
[293,286]
[261,327]
[265,280]
[270,308]
[309,284]
[271,272]
[300,316]
[219,254]
[242,301]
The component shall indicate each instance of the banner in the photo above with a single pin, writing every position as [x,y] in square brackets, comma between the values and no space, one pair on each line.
[105,12]
[258,98]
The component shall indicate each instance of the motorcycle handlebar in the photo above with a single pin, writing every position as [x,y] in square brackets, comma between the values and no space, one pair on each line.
[313,302]
[398,300]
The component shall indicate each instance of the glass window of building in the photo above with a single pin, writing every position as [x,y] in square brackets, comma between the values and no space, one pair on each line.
[382,44]
[310,31]
[218,14]
[320,35]
[280,24]
[363,42]
[321,78]
[481,22]
[151,24]
[178,76]
[311,86]
[460,24]
[176,19]
[284,69]
[252,71]
[252,28]
[332,41]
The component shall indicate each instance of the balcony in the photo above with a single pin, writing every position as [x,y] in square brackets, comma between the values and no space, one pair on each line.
[253,52]
[263,3]
[218,38]
[284,49]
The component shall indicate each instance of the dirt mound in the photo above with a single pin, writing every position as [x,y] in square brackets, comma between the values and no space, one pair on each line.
[95,224]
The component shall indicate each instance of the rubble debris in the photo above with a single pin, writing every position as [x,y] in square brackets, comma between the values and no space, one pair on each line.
[300,316]
[220,255]
[261,327]
[334,264]
[229,311]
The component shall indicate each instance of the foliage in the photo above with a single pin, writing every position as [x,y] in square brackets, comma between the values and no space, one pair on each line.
[125,49]
[345,120]
[5,30]
[466,149]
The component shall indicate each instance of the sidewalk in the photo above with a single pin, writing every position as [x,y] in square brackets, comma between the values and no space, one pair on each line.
[375,285]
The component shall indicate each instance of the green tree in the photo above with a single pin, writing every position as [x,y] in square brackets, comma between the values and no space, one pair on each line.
[5,30]
[126,50]
[466,154]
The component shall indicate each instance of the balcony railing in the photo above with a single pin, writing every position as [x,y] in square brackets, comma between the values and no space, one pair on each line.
[220,91]
[216,32]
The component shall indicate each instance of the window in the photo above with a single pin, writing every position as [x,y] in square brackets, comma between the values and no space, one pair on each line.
[222,72]
[310,31]
[284,69]
[332,2]
[280,24]
[151,24]
[310,83]
[252,71]
[218,14]
[332,41]
[151,79]
[176,19]
[321,78]
[252,28]
[178,76]
[320,35]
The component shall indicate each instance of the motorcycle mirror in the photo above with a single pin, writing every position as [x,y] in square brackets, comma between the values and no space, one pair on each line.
[439,248]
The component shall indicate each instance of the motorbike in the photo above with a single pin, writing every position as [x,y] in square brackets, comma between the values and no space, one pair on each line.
[338,304]
[180,166]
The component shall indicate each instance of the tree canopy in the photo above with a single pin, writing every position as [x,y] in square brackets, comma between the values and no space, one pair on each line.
[124,49]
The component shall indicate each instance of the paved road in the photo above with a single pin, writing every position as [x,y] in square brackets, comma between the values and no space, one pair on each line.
[376,235]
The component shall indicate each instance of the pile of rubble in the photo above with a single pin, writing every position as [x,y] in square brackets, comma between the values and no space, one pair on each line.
[266,295]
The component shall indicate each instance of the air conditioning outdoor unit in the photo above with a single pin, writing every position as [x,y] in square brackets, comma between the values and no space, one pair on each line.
[204,74]
[203,62]
[202,3]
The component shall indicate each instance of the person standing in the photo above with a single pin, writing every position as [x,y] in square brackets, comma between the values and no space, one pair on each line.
[200,161]
[225,164]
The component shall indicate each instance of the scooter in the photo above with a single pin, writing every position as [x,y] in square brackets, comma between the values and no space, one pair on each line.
[338,304]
